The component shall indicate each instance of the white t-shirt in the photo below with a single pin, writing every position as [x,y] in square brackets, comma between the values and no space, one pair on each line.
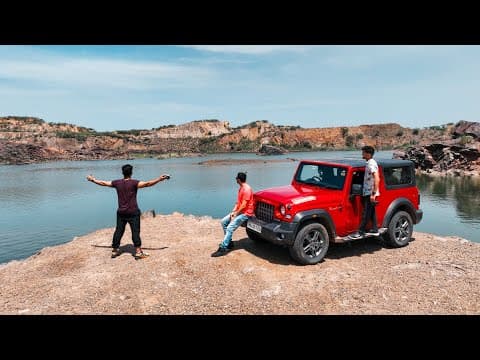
[368,180]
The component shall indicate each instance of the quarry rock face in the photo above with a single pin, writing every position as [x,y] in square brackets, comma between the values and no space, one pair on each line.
[26,140]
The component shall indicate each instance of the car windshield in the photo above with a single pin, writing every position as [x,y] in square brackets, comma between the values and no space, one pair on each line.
[330,177]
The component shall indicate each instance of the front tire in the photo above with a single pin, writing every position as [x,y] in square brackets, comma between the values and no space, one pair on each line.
[311,244]
[400,229]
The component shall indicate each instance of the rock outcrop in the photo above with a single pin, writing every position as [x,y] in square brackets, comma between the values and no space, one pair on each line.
[459,155]
[194,129]
[467,128]
[27,139]
[13,153]
[440,158]
[271,150]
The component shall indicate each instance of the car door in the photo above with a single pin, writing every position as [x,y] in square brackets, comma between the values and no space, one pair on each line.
[354,205]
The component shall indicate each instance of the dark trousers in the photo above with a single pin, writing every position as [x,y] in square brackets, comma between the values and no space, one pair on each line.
[122,220]
[368,214]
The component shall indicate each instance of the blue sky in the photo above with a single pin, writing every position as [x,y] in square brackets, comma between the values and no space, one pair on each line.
[142,87]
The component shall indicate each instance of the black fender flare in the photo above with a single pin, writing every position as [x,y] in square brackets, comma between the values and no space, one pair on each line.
[393,207]
[316,214]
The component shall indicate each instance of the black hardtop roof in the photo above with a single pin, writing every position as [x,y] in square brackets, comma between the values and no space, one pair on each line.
[361,163]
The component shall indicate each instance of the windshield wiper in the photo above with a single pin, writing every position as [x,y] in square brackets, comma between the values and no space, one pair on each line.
[326,186]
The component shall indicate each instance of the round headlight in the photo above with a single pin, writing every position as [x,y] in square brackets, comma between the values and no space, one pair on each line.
[282,210]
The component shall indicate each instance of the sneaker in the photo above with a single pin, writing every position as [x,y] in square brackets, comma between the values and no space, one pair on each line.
[357,235]
[230,245]
[373,232]
[115,253]
[220,252]
[141,255]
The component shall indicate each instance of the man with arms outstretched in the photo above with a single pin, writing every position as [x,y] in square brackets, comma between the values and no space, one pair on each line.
[128,211]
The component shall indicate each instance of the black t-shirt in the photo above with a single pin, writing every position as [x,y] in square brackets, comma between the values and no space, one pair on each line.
[127,196]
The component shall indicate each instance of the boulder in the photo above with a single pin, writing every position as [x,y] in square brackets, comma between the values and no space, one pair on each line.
[148,214]
[271,150]
[441,158]
[467,128]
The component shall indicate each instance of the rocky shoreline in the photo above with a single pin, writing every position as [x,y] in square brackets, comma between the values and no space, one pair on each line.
[457,156]
[441,159]
[432,275]
[452,149]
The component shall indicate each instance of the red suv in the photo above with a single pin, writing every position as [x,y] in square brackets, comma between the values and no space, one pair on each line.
[323,204]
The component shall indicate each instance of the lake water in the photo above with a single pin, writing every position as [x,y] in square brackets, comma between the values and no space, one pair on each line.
[51,203]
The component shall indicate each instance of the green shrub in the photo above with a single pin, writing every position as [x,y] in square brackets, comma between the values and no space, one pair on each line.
[438,127]
[208,145]
[349,141]
[307,145]
[134,132]
[72,135]
[163,127]
[247,145]
[466,139]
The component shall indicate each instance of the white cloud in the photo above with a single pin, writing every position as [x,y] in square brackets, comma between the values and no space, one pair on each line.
[105,73]
[214,61]
[25,92]
[250,49]
[362,56]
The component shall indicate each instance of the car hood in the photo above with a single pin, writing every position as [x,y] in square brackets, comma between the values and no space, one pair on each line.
[293,194]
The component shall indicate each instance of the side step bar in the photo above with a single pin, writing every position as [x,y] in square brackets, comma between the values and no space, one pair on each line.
[340,239]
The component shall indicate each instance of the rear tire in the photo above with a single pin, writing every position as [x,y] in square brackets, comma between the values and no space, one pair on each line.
[311,244]
[400,229]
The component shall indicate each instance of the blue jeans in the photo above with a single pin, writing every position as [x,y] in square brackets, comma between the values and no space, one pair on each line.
[230,226]
[368,214]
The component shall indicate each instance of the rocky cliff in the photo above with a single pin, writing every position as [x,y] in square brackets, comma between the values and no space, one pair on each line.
[28,139]
[457,155]
[195,129]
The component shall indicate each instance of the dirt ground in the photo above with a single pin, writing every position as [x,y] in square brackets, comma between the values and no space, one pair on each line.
[432,275]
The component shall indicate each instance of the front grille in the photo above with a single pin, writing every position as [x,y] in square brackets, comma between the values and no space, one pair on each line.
[264,211]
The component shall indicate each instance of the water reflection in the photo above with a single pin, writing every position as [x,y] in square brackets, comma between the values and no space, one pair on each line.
[463,192]
[48,204]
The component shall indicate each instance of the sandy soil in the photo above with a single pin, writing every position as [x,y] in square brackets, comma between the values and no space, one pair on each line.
[432,275]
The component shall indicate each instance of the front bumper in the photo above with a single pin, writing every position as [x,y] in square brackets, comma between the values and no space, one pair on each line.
[276,232]
[418,215]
